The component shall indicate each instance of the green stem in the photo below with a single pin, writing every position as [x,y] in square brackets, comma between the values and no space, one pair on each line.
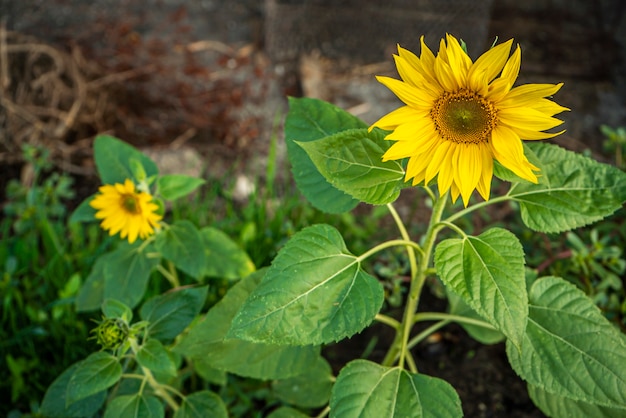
[424,334]
[479,205]
[388,244]
[387,320]
[156,386]
[453,227]
[324,412]
[170,274]
[418,277]
[442,316]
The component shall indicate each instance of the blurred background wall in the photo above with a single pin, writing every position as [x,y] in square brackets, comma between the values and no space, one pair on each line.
[218,71]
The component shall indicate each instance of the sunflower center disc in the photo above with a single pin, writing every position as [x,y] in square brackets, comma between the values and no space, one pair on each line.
[131,204]
[464,117]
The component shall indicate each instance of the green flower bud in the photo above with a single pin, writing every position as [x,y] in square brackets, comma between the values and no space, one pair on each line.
[111,333]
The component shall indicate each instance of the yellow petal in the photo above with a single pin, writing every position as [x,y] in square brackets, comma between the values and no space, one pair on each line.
[416,168]
[412,129]
[484,184]
[407,93]
[445,75]
[488,65]
[399,116]
[446,171]
[413,77]
[400,150]
[435,163]
[530,135]
[468,170]
[508,150]
[511,68]
[527,118]
[527,94]
[548,107]
[427,59]
[458,59]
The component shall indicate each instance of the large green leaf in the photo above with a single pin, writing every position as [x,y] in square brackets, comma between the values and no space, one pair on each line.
[54,404]
[352,162]
[570,349]
[170,313]
[152,355]
[209,373]
[484,335]
[559,407]
[224,258]
[181,244]
[91,294]
[112,308]
[314,293]
[308,390]
[309,120]
[201,405]
[96,373]
[287,412]
[84,212]
[206,341]
[135,406]
[573,191]
[126,274]
[175,186]
[487,272]
[115,159]
[369,390]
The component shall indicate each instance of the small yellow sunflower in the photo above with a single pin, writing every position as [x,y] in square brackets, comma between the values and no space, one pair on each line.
[461,115]
[124,210]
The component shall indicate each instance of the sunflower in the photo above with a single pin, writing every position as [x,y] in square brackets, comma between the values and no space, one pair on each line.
[461,115]
[125,210]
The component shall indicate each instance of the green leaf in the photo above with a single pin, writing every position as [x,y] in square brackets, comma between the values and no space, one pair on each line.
[559,407]
[54,404]
[96,373]
[113,160]
[126,274]
[84,212]
[209,373]
[308,390]
[366,389]
[91,294]
[170,313]
[286,412]
[181,244]
[175,186]
[570,349]
[352,162]
[112,308]
[201,405]
[314,293]
[309,120]
[135,406]
[206,340]
[224,258]
[573,191]
[481,334]
[487,272]
[152,355]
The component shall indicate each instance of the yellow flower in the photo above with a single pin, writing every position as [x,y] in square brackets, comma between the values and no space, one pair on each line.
[124,210]
[461,115]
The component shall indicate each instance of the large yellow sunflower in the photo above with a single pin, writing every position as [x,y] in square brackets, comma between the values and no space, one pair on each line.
[461,115]
[125,210]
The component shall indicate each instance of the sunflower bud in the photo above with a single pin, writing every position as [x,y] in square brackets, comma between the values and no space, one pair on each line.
[111,333]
